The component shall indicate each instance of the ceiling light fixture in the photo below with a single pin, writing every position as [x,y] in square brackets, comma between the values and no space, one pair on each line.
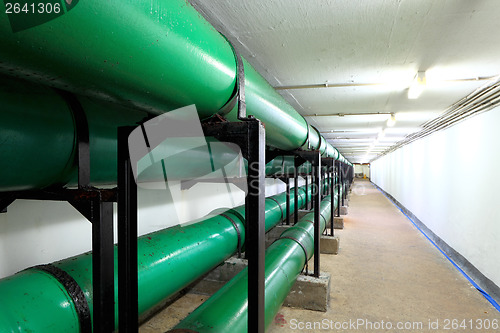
[392,120]
[417,86]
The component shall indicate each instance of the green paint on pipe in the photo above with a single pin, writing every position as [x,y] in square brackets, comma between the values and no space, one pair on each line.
[38,138]
[226,310]
[35,301]
[108,58]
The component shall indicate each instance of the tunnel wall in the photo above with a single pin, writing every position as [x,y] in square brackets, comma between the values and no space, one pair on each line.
[449,182]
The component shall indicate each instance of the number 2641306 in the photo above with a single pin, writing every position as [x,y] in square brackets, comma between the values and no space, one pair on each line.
[32,8]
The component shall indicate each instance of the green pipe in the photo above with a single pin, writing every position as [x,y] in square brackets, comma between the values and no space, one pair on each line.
[92,53]
[169,260]
[38,141]
[226,310]
[164,58]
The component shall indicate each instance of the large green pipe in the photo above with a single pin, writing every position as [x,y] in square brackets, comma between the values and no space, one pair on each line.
[169,260]
[155,55]
[226,310]
[38,140]
[92,53]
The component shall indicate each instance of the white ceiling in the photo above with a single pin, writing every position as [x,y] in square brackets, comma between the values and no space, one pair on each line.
[313,42]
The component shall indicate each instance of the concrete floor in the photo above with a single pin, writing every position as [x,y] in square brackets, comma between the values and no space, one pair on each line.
[387,274]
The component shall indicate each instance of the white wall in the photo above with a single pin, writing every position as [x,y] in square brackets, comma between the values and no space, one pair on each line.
[363,169]
[450,181]
[35,232]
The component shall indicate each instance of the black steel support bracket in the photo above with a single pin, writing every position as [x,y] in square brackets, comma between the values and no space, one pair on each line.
[296,192]
[103,267]
[317,195]
[82,137]
[249,135]
[127,238]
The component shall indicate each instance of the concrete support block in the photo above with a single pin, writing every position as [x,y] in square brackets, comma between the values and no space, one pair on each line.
[275,233]
[310,293]
[214,280]
[343,210]
[329,245]
[307,293]
[338,223]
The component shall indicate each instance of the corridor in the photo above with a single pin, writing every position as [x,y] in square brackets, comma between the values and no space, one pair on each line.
[387,273]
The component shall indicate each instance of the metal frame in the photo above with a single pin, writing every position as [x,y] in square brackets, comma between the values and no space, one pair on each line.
[342,181]
[307,197]
[332,198]
[96,205]
[249,135]
[330,164]
[315,158]
[287,190]
[296,192]
[127,237]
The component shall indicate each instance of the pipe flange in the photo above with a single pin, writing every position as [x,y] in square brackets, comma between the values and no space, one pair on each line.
[303,249]
[273,199]
[74,291]
[237,232]
[239,88]
[307,137]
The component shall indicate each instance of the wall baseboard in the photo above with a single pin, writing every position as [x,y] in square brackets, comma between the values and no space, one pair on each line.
[482,281]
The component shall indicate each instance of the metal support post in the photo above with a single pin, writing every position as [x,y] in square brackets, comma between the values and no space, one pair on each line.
[100,214]
[296,192]
[337,185]
[342,182]
[332,201]
[287,218]
[249,135]
[317,196]
[307,191]
[255,225]
[311,206]
[103,266]
[323,190]
[127,238]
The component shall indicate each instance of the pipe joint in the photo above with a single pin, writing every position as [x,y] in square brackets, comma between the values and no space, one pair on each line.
[74,291]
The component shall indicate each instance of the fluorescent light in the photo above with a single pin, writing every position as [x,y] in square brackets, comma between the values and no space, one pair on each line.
[391,121]
[417,86]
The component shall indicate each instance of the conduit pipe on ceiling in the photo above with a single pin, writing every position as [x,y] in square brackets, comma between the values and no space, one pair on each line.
[227,309]
[481,100]
[33,300]
[92,53]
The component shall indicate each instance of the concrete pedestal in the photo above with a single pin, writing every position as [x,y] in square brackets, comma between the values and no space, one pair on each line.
[310,293]
[307,293]
[338,223]
[329,245]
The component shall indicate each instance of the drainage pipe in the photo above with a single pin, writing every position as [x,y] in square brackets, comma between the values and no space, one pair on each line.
[227,309]
[169,260]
